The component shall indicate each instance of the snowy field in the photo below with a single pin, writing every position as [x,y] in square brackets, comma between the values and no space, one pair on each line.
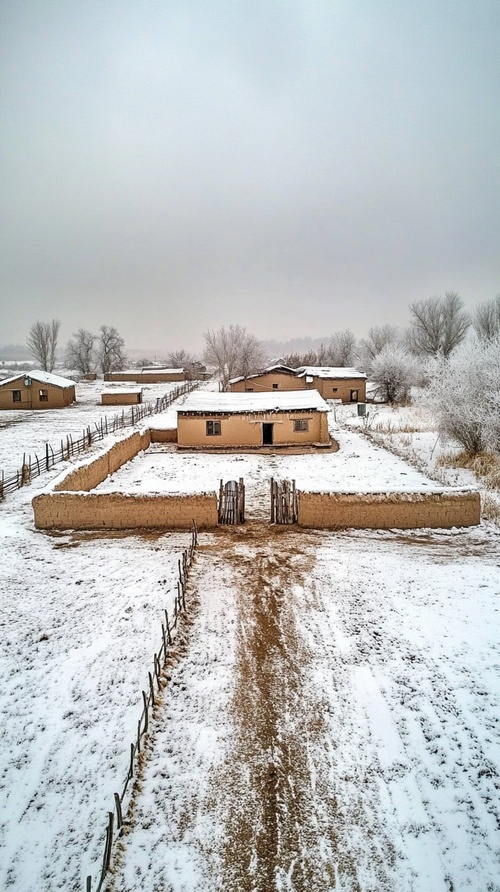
[334,723]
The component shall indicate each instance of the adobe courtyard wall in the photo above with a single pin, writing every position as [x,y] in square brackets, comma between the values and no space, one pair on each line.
[383,511]
[88,475]
[119,511]
[163,435]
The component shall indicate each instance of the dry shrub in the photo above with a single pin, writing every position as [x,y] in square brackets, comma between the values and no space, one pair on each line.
[490,508]
[485,465]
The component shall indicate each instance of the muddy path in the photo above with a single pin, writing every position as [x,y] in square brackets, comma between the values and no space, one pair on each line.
[279,807]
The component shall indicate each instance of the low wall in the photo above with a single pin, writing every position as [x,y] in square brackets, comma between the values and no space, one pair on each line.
[118,511]
[166,435]
[87,476]
[384,511]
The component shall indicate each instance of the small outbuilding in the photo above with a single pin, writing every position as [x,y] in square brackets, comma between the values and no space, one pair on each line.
[129,397]
[219,420]
[36,389]
[335,383]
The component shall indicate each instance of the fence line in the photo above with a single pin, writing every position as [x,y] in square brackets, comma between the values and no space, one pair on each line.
[33,467]
[160,658]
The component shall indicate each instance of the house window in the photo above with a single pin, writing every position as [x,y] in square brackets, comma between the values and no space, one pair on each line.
[248,389]
[213,429]
[43,395]
[16,396]
[300,424]
[335,389]
[275,386]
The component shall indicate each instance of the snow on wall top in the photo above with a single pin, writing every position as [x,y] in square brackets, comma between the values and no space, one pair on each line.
[41,377]
[328,372]
[284,401]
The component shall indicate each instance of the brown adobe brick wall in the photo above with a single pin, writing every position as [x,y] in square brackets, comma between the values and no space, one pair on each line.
[118,511]
[382,511]
[88,476]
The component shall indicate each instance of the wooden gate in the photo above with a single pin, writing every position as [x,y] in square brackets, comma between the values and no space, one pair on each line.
[232,502]
[284,501]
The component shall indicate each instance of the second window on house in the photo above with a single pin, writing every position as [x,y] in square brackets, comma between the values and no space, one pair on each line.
[43,395]
[213,428]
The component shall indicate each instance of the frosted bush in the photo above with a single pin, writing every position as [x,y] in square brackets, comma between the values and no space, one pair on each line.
[464,393]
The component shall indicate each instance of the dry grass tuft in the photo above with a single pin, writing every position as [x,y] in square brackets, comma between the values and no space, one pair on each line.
[485,466]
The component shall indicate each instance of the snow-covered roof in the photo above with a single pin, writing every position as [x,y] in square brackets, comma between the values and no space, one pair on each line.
[154,369]
[204,402]
[272,368]
[41,377]
[329,372]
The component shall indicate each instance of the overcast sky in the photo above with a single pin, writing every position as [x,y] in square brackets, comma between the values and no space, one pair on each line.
[295,166]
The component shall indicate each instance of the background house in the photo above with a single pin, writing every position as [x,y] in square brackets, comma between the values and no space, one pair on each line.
[36,389]
[277,377]
[332,383]
[346,384]
[147,375]
[215,420]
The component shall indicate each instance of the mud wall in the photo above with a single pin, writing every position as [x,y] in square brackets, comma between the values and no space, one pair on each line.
[383,511]
[88,476]
[166,435]
[118,511]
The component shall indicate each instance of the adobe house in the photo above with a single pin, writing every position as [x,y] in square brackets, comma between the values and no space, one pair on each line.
[36,389]
[147,375]
[219,420]
[333,383]
[276,377]
[130,397]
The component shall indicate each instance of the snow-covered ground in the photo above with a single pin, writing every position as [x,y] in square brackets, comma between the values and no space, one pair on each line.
[334,723]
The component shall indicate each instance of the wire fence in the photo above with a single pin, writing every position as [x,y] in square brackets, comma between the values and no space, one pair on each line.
[33,466]
[117,818]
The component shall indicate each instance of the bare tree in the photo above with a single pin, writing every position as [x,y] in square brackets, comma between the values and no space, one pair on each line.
[42,343]
[80,353]
[110,344]
[178,359]
[312,358]
[340,351]
[233,352]
[438,325]
[486,320]
[379,337]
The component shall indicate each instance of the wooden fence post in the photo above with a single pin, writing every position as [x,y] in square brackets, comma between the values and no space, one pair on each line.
[107,848]
[145,701]
[119,814]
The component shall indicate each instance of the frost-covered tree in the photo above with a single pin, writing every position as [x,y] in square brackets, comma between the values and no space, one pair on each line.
[233,352]
[110,350]
[486,319]
[42,343]
[464,392]
[79,353]
[379,337]
[437,325]
[394,371]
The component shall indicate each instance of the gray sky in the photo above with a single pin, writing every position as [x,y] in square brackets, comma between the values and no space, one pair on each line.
[295,166]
